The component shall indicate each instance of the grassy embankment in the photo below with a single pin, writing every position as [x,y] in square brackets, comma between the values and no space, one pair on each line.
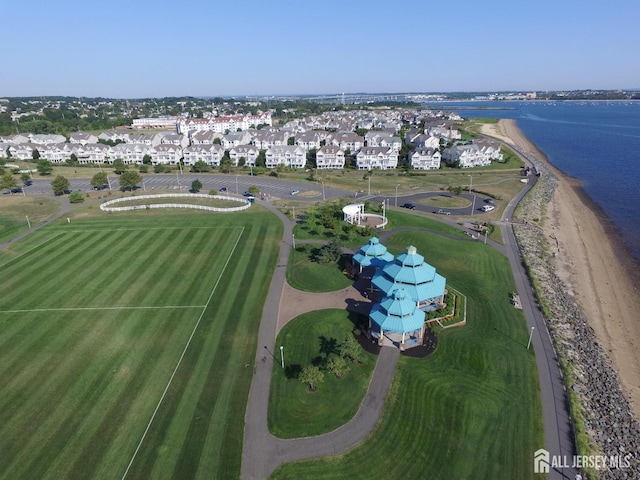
[105,313]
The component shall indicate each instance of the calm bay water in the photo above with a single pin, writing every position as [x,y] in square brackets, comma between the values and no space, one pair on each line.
[595,142]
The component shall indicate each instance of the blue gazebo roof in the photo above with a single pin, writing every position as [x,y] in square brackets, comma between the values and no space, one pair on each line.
[410,272]
[397,313]
[373,253]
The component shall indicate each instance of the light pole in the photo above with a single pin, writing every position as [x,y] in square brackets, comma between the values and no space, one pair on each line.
[236,184]
[28,222]
[293,238]
[473,206]
[369,190]
[528,344]
[322,189]
[397,195]
[282,355]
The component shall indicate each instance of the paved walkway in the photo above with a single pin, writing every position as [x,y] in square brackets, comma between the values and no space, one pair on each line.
[262,452]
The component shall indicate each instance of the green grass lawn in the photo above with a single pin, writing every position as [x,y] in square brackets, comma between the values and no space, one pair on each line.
[293,410]
[14,210]
[305,274]
[471,410]
[102,315]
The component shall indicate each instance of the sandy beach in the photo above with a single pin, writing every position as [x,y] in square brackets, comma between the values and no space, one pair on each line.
[591,261]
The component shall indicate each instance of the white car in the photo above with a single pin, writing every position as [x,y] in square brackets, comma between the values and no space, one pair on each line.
[487,208]
[295,192]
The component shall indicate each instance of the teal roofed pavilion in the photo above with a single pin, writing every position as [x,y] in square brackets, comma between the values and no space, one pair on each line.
[398,319]
[372,254]
[411,273]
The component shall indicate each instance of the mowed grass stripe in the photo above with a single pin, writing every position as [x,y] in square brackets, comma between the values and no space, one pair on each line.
[26,362]
[84,284]
[143,383]
[56,373]
[189,371]
[32,273]
[222,380]
[88,396]
[223,449]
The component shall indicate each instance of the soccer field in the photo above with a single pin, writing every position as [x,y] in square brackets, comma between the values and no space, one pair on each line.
[127,344]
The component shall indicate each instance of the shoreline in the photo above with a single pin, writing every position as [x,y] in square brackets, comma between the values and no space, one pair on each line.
[591,258]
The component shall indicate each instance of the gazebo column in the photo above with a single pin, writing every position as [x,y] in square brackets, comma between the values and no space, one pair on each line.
[381,339]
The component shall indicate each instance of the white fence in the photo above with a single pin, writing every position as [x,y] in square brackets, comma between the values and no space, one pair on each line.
[106,206]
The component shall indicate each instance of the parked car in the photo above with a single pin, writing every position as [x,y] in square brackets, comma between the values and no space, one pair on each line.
[223,189]
[295,192]
[443,212]
[247,194]
[490,201]
[409,205]
[487,208]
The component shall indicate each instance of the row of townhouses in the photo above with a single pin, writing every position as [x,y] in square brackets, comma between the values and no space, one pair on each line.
[331,135]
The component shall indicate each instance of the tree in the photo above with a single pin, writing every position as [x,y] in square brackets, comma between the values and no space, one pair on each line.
[129,180]
[196,185]
[217,141]
[76,197]
[146,160]
[200,166]
[261,159]
[291,141]
[118,166]
[26,178]
[350,349]
[337,365]
[8,182]
[253,190]
[59,185]
[99,180]
[44,167]
[225,163]
[35,154]
[7,152]
[73,160]
[331,252]
[312,376]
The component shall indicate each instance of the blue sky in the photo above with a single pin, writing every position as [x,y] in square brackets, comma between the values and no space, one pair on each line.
[140,48]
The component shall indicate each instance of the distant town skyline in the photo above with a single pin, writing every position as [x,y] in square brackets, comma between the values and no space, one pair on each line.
[162,49]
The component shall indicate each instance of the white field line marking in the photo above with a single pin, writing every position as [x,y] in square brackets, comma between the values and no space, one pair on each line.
[30,250]
[108,230]
[79,309]
[164,393]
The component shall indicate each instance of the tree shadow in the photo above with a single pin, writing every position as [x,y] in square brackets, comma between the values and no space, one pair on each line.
[292,371]
[328,345]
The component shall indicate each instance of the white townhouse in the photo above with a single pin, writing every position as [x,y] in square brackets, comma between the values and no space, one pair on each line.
[329,157]
[269,138]
[82,138]
[287,155]
[235,139]
[468,155]
[54,152]
[382,139]
[248,152]
[448,132]
[150,140]
[23,151]
[47,139]
[308,140]
[93,153]
[175,139]
[346,141]
[166,121]
[15,139]
[222,124]
[130,153]
[166,154]
[426,141]
[383,158]
[211,154]
[205,138]
[489,147]
[112,136]
[425,159]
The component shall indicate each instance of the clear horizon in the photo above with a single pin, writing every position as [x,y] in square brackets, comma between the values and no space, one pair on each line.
[156,49]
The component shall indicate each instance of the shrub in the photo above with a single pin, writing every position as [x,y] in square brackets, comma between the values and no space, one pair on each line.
[76,197]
